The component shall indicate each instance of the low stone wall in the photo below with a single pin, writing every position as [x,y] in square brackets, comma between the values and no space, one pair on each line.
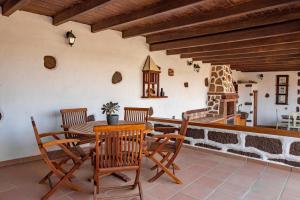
[272,148]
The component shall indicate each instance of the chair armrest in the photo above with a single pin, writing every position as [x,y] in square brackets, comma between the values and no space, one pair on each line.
[58,133]
[58,142]
[52,134]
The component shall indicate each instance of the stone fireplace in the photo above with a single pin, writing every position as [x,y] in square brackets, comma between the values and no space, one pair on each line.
[221,95]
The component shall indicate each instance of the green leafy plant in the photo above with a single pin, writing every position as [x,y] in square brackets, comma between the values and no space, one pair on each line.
[110,108]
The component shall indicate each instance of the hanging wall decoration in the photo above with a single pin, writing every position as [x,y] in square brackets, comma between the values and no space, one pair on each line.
[171,72]
[267,95]
[116,78]
[151,80]
[49,62]
[186,84]
[196,67]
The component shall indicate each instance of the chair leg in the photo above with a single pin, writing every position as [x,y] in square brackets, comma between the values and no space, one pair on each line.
[140,191]
[45,178]
[137,178]
[166,159]
[63,181]
[164,169]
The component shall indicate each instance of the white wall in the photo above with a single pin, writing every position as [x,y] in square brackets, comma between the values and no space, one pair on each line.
[266,110]
[82,78]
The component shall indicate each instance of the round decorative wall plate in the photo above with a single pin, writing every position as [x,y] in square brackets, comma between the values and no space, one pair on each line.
[116,78]
[49,62]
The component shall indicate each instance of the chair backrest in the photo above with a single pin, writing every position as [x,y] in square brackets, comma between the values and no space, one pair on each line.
[136,114]
[294,120]
[74,116]
[118,147]
[184,126]
[36,133]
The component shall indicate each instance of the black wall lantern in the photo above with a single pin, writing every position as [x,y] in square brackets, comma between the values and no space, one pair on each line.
[71,38]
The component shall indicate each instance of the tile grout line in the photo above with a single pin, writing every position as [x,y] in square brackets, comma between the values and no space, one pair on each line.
[284,186]
[193,182]
[211,193]
[251,187]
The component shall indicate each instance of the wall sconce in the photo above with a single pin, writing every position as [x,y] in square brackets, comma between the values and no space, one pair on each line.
[196,67]
[189,62]
[70,37]
[260,76]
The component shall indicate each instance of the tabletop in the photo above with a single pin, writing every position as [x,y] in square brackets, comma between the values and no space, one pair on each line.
[87,128]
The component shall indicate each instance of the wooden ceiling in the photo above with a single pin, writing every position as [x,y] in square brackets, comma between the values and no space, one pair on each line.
[250,35]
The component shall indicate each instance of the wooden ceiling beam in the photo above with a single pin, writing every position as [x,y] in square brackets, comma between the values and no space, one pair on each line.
[80,8]
[246,55]
[268,69]
[249,50]
[290,38]
[251,59]
[240,35]
[201,17]
[257,62]
[282,13]
[150,11]
[11,6]
[247,66]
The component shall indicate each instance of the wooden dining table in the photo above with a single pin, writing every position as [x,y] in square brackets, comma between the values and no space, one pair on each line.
[87,130]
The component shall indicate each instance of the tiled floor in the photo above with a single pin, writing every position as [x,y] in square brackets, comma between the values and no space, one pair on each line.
[205,176]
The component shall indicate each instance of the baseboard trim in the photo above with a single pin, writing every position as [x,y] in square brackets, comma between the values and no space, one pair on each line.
[17,161]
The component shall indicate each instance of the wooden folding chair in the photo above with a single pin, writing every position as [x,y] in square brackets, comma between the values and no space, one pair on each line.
[118,148]
[55,159]
[75,116]
[136,114]
[167,146]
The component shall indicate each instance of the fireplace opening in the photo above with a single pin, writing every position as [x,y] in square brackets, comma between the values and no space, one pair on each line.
[230,108]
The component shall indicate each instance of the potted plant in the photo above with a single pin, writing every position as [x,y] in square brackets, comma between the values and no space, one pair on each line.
[110,109]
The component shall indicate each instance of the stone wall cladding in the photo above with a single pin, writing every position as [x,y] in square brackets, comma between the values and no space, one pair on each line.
[221,79]
[270,145]
[286,148]
[165,130]
[195,133]
[223,138]
[249,154]
[220,82]
[295,148]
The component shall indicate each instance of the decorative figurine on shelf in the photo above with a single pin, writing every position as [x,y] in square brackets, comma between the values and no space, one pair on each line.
[151,73]
[162,93]
[110,109]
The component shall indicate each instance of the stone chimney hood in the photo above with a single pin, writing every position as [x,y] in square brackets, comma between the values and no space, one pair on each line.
[222,96]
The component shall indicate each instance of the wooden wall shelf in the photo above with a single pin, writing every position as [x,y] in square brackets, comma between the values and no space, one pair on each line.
[154,97]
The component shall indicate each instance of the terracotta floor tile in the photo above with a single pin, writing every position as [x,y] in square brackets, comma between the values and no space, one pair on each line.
[204,175]
[181,196]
